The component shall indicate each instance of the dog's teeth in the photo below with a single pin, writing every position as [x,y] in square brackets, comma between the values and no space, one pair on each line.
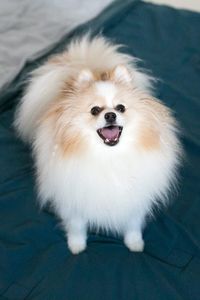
[107,140]
[115,139]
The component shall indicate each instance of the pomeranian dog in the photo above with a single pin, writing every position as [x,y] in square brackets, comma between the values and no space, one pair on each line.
[106,151]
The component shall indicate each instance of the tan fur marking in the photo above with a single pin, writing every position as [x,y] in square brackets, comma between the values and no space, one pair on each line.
[149,139]
[66,136]
[70,142]
[156,117]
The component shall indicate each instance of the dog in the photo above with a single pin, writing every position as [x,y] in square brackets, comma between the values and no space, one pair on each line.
[106,151]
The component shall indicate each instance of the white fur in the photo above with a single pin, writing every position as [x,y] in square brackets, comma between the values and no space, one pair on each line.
[113,188]
[107,91]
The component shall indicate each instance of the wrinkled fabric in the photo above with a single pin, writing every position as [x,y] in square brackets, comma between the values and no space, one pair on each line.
[35,262]
[28,27]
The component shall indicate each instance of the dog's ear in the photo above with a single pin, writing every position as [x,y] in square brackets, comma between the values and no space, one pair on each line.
[121,74]
[85,77]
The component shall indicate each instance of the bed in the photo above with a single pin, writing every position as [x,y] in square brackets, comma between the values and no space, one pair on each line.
[35,263]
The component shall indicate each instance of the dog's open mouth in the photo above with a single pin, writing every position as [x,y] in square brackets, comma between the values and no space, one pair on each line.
[110,135]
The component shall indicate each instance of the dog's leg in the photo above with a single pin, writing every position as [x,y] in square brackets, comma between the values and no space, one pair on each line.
[76,235]
[133,235]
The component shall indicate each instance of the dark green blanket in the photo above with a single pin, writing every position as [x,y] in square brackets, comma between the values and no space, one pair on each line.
[34,260]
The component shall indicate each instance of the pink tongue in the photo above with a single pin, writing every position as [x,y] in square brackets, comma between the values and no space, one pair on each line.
[110,133]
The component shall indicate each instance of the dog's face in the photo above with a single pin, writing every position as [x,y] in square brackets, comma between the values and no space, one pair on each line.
[108,111]
[103,106]
[99,112]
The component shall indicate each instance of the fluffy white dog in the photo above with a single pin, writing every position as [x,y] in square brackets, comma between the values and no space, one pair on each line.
[106,151]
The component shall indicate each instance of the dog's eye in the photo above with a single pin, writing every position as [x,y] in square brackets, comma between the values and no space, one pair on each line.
[121,108]
[95,110]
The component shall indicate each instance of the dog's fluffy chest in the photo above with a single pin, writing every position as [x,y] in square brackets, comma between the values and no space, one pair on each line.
[104,190]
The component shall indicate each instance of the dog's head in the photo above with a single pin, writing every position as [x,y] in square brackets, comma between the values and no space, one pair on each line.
[103,109]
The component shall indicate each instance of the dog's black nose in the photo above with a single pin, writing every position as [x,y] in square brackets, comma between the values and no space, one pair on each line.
[110,117]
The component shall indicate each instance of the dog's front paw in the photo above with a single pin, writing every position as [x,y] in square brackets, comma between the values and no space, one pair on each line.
[134,242]
[76,244]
